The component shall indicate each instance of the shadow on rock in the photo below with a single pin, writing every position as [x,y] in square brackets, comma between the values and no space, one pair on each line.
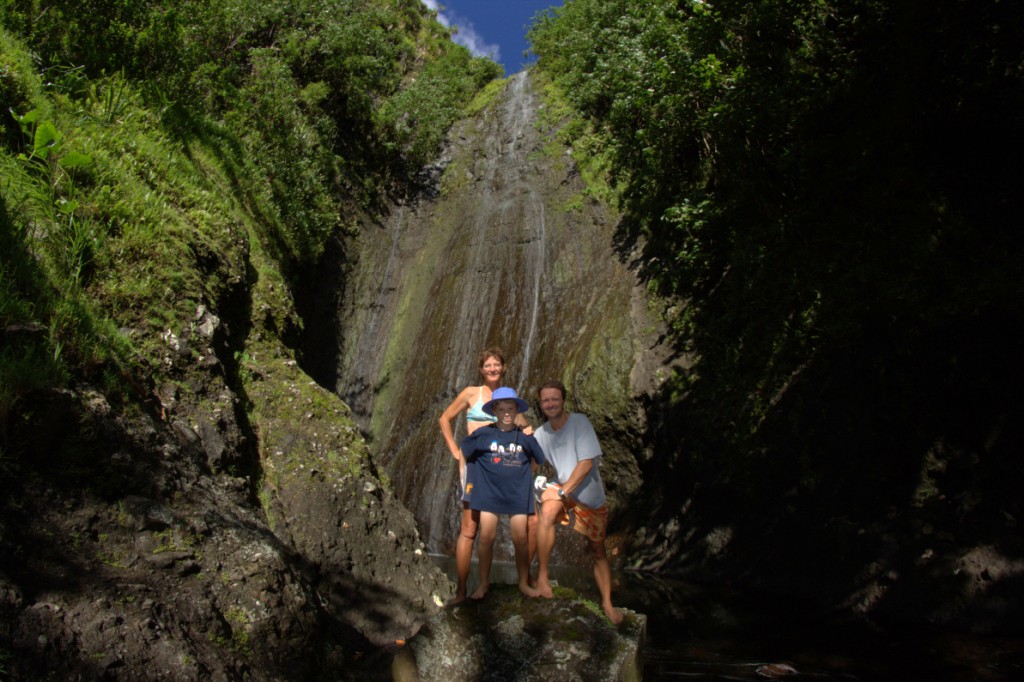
[507,637]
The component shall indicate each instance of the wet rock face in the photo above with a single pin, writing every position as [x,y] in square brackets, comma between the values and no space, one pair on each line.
[325,501]
[507,637]
[508,252]
[180,579]
[231,522]
[124,555]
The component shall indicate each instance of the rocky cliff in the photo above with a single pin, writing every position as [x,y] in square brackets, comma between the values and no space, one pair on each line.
[505,248]
[226,518]
[210,512]
[508,246]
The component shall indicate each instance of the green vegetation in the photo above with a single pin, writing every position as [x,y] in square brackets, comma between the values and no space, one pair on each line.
[112,551]
[590,146]
[149,150]
[827,194]
[417,118]
[266,504]
[170,540]
[487,94]
[238,620]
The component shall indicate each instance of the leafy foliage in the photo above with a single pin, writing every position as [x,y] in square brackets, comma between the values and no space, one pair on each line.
[417,118]
[291,158]
[48,246]
[825,192]
[145,143]
[376,83]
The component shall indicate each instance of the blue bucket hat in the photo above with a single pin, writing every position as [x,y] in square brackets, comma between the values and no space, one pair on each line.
[504,393]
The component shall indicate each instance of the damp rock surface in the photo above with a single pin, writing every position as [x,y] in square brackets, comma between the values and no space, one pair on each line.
[508,637]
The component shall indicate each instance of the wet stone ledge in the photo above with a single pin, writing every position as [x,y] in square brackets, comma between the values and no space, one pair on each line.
[508,637]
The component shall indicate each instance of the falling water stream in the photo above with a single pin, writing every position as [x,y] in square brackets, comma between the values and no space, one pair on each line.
[535,303]
[506,254]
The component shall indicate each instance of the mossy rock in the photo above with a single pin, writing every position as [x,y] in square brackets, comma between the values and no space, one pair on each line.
[506,636]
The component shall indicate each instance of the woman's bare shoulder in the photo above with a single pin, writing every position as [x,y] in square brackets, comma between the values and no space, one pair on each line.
[465,398]
[469,392]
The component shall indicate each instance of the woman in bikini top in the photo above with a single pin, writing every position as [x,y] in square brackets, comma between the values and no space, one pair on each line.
[476,412]
[491,364]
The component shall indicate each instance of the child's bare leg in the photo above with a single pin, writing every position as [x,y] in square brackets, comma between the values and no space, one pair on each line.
[531,542]
[488,528]
[518,526]
[550,514]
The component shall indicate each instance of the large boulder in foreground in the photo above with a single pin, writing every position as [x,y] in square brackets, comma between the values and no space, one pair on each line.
[508,637]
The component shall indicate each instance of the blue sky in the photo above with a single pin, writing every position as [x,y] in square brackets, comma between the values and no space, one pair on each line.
[494,28]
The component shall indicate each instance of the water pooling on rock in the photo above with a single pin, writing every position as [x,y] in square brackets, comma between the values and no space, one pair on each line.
[508,252]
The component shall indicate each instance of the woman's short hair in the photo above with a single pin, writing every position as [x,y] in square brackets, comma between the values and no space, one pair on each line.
[492,352]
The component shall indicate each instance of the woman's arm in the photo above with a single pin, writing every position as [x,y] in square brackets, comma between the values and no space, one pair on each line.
[523,424]
[460,403]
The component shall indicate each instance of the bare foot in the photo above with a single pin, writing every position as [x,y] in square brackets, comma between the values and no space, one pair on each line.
[480,593]
[456,600]
[543,589]
[528,591]
[614,615]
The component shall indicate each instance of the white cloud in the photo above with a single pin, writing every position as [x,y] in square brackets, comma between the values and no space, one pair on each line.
[465,33]
[432,4]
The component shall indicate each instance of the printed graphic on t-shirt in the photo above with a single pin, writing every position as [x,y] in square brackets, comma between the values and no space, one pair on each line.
[510,455]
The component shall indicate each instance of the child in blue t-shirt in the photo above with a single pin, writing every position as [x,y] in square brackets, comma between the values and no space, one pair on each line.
[502,483]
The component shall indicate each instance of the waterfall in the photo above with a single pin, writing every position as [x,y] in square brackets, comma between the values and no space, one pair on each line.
[538,270]
[507,254]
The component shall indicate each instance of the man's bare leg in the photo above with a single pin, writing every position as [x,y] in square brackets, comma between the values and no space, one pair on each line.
[517,524]
[464,551]
[603,578]
[485,552]
[550,513]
